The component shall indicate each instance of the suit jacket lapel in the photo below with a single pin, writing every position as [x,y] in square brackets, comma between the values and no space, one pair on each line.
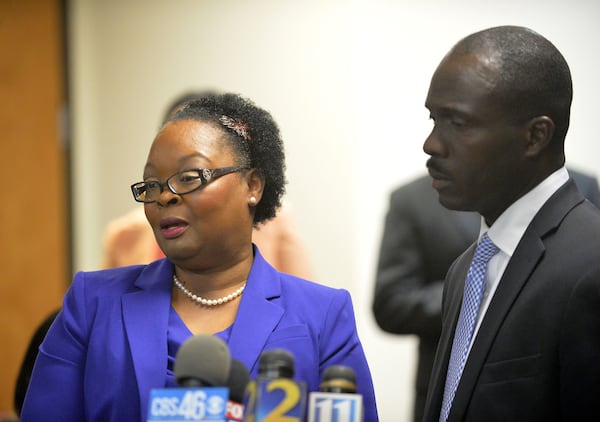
[258,314]
[145,316]
[148,306]
[520,267]
[522,264]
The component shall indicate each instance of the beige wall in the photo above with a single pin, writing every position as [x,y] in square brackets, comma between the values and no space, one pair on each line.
[346,80]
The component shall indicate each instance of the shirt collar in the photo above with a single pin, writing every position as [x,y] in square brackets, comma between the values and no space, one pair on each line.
[507,230]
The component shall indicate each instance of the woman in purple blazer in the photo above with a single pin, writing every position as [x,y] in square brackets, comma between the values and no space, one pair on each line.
[214,171]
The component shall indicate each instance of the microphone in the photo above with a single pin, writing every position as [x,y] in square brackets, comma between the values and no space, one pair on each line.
[202,361]
[202,367]
[336,400]
[274,395]
[237,382]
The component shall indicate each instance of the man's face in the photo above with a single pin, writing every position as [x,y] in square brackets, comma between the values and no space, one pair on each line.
[476,147]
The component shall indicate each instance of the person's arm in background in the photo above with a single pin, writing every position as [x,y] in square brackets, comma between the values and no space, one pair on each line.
[29,360]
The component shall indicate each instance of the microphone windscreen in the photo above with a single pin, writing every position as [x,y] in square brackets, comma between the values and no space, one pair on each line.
[202,361]
[276,363]
[338,379]
[337,399]
[238,380]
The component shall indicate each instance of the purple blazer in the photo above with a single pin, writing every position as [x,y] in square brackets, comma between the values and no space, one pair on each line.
[108,346]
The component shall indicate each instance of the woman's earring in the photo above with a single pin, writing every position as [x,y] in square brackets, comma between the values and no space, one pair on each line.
[253,200]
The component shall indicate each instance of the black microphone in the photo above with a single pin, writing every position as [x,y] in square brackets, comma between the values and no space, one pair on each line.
[202,361]
[237,382]
[338,379]
[202,367]
[274,395]
[336,400]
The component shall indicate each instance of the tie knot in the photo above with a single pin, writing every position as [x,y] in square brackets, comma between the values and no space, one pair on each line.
[485,250]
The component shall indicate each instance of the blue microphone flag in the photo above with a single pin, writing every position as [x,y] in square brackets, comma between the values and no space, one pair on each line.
[334,407]
[188,404]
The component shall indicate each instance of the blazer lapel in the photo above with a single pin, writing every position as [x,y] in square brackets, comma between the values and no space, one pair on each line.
[258,314]
[520,267]
[145,316]
[149,305]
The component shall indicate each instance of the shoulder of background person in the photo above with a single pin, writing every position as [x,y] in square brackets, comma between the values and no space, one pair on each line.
[416,190]
[128,239]
[131,225]
[416,203]
[416,199]
[282,245]
[587,184]
[414,185]
[131,219]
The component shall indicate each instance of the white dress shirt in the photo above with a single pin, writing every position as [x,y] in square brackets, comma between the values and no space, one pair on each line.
[507,231]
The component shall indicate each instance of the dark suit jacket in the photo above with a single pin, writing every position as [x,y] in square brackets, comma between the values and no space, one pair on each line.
[108,346]
[420,241]
[537,353]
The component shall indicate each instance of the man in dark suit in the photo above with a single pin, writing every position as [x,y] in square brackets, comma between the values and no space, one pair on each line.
[529,349]
[420,240]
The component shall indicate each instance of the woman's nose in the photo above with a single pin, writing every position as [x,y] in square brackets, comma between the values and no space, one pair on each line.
[167,198]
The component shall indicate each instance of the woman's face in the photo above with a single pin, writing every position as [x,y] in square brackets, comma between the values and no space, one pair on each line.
[211,226]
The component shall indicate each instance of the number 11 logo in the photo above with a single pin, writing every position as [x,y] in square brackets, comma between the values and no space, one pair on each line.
[328,407]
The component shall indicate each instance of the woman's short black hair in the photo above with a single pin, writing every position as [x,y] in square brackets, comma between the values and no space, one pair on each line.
[253,135]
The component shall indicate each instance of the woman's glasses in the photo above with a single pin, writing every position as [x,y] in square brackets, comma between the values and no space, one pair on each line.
[180,183]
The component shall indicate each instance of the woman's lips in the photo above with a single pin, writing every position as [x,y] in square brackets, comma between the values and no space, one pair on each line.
[172,227]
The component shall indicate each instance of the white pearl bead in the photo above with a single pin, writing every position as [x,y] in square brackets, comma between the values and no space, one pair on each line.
[207,302]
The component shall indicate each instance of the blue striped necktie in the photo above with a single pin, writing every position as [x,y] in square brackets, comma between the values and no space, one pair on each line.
[472,295]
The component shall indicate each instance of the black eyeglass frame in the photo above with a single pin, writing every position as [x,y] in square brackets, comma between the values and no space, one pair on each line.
[205,175]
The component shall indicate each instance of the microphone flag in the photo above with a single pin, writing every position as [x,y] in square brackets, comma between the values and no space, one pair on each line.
[337,400]
[201,369]
[275,396]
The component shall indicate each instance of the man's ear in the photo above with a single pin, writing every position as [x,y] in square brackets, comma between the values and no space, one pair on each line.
[256,186]
[540,131]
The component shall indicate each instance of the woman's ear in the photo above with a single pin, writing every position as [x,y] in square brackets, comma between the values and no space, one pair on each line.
[540,132]
[256,185]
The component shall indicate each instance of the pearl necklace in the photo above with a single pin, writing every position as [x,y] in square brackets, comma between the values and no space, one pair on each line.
[207,302]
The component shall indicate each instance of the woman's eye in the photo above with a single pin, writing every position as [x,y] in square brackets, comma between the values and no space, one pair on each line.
[152,185]
[189,177]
